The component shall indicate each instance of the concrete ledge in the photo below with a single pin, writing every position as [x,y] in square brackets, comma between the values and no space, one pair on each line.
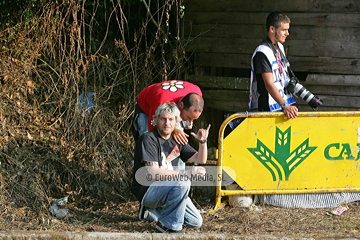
[45,235]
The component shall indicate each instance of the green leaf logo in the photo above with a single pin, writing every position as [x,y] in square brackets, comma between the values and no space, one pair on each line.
[281,163]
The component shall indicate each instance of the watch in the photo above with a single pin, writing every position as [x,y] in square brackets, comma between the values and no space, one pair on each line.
[283,105]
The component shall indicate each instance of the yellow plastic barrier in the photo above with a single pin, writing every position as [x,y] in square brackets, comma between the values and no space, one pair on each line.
[270,154]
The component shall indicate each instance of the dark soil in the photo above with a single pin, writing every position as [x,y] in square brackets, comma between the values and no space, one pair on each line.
[122,217]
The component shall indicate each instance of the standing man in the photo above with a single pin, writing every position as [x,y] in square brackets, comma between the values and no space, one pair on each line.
[157,157]
[186,95]
[269,73]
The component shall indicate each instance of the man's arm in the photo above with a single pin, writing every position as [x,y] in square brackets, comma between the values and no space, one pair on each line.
[289,110]
[201,155]
[155,171]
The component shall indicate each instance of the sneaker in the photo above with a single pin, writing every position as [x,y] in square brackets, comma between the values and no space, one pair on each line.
[161,228]
[142,211]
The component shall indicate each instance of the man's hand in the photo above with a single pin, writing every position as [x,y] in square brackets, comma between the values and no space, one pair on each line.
[180,137]
[290,111]
[196,171]
[202,134]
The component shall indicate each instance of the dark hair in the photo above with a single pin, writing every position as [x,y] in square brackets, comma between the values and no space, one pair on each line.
[275,19]
[193,99]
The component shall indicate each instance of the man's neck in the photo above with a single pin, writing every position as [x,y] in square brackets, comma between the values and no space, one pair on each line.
[273,41]
[163,136]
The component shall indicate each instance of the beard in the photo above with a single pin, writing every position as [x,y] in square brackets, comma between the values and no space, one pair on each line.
[165,132]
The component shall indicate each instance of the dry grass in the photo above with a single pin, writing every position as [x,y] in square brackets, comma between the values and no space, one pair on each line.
[50,147]
[122,217]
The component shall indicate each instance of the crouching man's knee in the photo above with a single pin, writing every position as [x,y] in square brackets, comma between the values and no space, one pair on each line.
[196,223]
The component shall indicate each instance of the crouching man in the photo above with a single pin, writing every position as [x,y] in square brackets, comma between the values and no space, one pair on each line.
[165,199]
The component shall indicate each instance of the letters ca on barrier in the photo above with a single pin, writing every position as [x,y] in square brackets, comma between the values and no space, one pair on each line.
[314,152]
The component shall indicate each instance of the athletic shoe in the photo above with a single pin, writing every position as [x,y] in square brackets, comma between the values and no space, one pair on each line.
[161,228]
[142,211]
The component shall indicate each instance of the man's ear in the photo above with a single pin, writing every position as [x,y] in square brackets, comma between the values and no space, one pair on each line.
[272,29]
[180,105]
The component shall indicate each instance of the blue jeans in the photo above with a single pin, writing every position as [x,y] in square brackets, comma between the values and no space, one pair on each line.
[140,123]
[168,201]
